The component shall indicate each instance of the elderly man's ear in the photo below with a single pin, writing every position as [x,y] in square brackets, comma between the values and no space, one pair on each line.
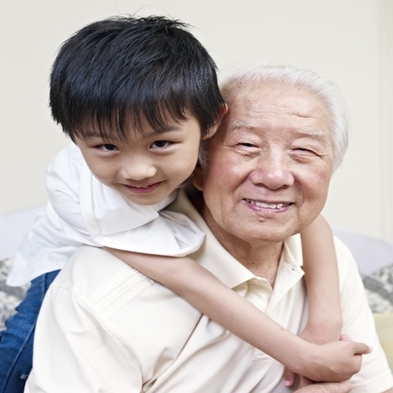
[197,177]
[212,130]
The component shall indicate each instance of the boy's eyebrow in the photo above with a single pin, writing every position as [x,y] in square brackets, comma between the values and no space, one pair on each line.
[91,134]
[162,130]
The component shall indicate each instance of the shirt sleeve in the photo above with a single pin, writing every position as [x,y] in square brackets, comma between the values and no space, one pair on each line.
[59,229]
[375,375]
[63,178]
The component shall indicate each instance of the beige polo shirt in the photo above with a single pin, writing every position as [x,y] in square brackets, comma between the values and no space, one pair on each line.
[104,327]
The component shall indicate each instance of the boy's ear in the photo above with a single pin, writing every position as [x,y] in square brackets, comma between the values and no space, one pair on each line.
[197,177]
[213,130]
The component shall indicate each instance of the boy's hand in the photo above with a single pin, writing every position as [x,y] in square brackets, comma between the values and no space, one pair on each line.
[331,362]
[317,336]
[338,360]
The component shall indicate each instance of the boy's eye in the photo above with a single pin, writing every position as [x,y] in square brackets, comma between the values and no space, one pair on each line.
[160,144]
[107,147]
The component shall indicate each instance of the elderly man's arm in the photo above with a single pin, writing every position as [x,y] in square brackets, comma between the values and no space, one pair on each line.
[331,387]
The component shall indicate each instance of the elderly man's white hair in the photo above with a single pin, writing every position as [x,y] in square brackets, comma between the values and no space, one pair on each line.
[326,90]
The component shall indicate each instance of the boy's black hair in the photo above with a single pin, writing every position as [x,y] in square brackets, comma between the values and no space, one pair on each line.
[126,69]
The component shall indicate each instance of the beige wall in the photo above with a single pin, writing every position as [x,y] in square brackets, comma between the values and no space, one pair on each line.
[344,40]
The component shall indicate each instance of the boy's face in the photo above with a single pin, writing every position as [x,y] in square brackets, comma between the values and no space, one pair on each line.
[148,167]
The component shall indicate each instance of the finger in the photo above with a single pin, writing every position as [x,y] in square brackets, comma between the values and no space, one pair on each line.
[360,348]
[289,377]
[303,381]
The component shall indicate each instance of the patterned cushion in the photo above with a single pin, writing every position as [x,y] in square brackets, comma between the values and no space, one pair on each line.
[379,289]
[10,297]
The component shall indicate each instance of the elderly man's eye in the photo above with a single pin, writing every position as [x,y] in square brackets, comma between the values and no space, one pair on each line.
[247,144]
[302,151]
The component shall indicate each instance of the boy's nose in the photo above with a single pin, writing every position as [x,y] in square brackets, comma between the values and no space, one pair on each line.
[138,169]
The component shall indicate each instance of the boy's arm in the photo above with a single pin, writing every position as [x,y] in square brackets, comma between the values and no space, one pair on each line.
[330,362]
[321,275]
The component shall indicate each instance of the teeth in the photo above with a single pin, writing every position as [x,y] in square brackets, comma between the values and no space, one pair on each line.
[268,205]
[139,186]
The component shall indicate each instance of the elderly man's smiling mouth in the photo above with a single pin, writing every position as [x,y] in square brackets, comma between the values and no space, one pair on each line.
[269,205]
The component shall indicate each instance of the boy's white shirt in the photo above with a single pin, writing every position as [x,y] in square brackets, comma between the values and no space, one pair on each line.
[82,210]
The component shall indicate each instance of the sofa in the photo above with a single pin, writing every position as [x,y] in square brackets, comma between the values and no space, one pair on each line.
[373,256]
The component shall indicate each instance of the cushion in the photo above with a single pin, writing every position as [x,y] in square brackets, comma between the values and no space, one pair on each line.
[379,290]
[10,297]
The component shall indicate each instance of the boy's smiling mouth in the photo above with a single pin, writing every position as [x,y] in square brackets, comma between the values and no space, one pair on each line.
[147,188]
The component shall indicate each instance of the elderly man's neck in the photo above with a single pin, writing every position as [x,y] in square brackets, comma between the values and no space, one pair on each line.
[261,258]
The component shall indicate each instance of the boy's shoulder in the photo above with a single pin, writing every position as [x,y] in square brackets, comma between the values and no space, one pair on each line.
[67,160]
[64,172]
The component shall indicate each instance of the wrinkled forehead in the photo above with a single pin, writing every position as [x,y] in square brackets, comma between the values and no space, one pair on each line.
[272,103]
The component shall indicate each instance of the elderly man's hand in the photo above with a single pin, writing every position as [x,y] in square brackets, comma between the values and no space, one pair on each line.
[331,387]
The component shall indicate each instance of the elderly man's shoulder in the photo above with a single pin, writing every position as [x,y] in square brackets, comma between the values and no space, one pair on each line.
[344,256]
[110,287]
[101,295]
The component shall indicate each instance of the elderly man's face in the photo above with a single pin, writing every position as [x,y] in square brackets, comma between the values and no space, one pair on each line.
[269,165]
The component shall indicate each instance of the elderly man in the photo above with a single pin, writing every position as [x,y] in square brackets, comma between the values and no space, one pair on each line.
[265,176]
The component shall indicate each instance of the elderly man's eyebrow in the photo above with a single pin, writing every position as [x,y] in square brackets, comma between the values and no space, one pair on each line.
[240,124]
[318,134]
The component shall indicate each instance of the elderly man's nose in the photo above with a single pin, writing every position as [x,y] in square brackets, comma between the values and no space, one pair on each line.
[272,171]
